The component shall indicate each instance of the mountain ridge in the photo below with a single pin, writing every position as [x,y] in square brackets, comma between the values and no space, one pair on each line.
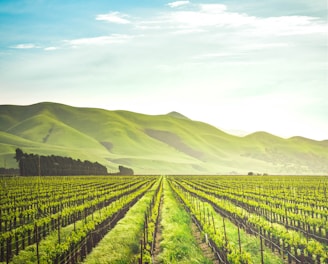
[168,144]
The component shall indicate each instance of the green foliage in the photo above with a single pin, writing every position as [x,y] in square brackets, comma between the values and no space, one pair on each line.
[246,198]
[48,200]
[40,202]
[178,244]
[121,244]
[151,144]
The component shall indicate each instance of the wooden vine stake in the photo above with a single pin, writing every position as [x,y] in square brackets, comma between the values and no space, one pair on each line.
[225,232]
[74,220]
[213,223]
[204,213]
[58,229]
[141,250]
[261,249]
[239,241]
[37,243]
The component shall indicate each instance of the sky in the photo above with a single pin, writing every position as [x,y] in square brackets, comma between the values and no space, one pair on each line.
[240,65]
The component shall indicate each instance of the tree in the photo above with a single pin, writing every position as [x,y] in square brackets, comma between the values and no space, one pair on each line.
[20,156]
[125,171]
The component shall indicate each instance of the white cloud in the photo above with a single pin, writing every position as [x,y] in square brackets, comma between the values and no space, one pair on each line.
[114,17]
[289,25]
[212,55]
[101,40]
[218,15]
[210,15]
[178,3]
[213,8]
[50,48]
[26,46]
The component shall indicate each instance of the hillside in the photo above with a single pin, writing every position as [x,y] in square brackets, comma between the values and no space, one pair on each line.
[165,144]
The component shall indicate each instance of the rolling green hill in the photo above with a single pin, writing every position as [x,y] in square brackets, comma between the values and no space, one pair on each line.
[161,144]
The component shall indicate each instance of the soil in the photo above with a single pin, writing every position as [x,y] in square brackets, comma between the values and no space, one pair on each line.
[158,236]
[207,251]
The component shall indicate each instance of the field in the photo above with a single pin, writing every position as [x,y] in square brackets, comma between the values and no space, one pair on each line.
[164,219]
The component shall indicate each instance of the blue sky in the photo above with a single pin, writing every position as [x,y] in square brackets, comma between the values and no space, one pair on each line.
[238,65]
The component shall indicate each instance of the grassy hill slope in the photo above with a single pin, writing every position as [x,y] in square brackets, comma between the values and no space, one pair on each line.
[165,144]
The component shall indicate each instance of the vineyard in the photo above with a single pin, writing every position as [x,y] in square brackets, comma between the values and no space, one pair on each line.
[167,219]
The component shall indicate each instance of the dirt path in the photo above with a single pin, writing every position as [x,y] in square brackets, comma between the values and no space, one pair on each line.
[158,236]
[207,251]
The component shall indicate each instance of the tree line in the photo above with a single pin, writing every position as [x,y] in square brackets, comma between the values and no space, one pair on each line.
[8,171]
[33,165]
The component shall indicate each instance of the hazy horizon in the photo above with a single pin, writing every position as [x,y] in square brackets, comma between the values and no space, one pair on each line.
[237,65]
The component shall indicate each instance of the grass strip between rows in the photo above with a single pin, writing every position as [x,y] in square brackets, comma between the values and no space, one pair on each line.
[178,243]
[293,238]
[212,223]
[122,243]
